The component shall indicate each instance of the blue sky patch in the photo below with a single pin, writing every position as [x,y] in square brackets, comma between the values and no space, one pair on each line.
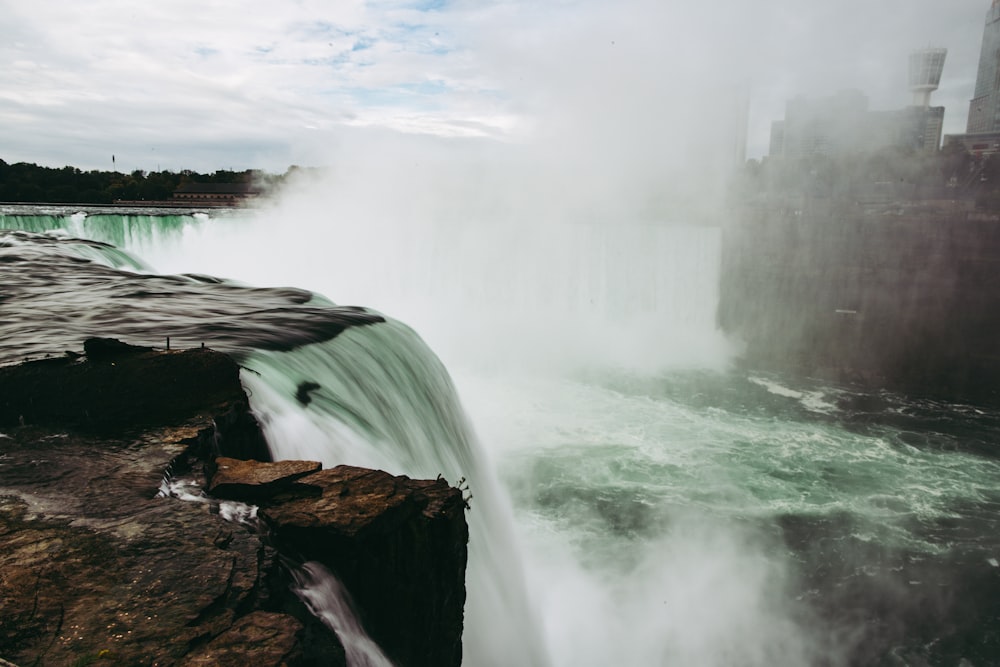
[422,95]
[362,44]
[430,5]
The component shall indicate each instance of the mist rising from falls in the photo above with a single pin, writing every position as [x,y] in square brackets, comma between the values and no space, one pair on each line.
[526,293]
[501,299]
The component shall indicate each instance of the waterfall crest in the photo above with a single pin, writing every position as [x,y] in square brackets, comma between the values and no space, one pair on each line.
[385,401]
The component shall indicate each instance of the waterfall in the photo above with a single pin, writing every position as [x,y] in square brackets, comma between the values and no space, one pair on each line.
[385,401]
[327,599]
[131,230]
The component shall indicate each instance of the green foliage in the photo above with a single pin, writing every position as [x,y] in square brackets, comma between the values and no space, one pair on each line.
[24,182]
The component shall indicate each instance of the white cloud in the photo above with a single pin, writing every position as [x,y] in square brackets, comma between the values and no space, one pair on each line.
[627,77]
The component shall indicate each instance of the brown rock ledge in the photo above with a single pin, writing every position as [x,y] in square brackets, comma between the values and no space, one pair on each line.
[252,481]
[94,567]
[397,544]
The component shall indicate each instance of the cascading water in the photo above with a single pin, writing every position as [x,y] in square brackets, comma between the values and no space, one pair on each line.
[136,228]
[326,598]
[642,509]
[384,401]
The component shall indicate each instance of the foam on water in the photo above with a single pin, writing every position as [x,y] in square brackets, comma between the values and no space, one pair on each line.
[816,401]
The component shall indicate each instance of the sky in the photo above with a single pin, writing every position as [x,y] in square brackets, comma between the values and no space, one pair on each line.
[207,85]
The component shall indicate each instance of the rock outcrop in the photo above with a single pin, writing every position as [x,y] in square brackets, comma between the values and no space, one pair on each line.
[266,638]
[97,566]
[122,389]
[897,299]
[397,544]
[254,482]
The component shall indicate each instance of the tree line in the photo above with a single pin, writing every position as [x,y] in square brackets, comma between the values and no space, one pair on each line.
[26,182]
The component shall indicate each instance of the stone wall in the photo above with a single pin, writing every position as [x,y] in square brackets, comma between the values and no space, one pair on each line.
[888,298]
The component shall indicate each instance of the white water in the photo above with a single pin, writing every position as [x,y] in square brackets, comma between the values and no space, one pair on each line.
[385,402]
[326,598]
[530,293]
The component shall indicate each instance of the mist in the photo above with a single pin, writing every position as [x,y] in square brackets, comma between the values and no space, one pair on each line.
[589,231]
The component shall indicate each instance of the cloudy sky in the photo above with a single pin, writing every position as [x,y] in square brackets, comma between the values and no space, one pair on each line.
[214,84]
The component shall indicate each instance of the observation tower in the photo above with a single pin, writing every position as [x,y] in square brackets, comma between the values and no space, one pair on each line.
[925,74]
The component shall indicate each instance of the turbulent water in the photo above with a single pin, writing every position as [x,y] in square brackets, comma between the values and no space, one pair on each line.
[636,499]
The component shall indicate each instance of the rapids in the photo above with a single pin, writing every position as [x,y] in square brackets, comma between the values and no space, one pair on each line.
[637,499]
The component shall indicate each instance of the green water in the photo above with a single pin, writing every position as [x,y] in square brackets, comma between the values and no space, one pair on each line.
[718,515]
[128,230]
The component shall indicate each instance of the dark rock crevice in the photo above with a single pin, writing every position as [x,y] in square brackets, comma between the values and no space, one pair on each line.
[398,545]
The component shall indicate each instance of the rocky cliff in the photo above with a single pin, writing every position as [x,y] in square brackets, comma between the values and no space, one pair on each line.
[101,563]
[899,299]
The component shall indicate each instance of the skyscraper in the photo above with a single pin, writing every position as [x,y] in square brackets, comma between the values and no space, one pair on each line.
[984,109]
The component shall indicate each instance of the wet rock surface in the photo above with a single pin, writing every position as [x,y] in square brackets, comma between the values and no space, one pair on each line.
[93,563]
[123,389]
[906,301]
[397,544]
[252,481]
[272,640]
[144,590]
[96,566]
[58,291]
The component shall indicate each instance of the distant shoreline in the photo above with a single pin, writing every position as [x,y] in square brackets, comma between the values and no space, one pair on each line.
[63,209]
[138,203]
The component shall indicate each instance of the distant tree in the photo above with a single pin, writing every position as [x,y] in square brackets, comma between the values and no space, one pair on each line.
[24,182]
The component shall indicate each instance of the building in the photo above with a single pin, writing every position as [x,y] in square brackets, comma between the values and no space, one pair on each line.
[921,124]
[842,124]
[979,144]
[984,108]
[982,132]
[214,194]
[926,66]
[825,126]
